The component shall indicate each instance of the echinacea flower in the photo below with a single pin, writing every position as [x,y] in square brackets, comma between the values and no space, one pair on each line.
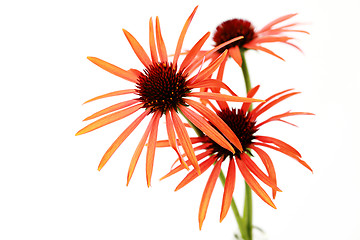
[253,39]
[164,88]
[244,123]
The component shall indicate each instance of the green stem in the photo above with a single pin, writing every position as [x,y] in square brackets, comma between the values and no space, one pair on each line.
[248,194]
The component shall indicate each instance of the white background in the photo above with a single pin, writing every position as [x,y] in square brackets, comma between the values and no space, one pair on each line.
[49,184]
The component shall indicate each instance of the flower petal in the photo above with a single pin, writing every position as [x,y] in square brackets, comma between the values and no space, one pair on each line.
[138,49]
[109,119]
[278,117]
[222,97]
[150,154]
[228,190]
[245,107]
[152,43]
[112,94]
[121,139]
[235,54]
[276,21]
[257,47]
[208,192]
[278,143]
[114,69]
[160,42]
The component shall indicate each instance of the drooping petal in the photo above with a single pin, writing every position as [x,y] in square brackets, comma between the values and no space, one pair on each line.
[109,119]
[114,69]
[139,149]
[261,48]
[116,144]
[184,139]
[182,36]
[208,192]
[253,184]
[280,116]
[288,153]
[211,83]
[138,49]
[267,39]
[265,158]
[278,143]
[172,138]
[112,108]
[160,42]
[217,122]
[152,43]
[235,54]
[150,154]
[112,94]
[193,174]
[205,127]
[228,189]
[276,21]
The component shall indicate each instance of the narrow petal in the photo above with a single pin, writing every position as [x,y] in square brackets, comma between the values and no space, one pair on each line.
[193,52]
[276,21]
[280,116]
[114,69]
[278,143]
[109,119]
[112,94]
[193,174]
[258,173]
[265,158]
[222,97]
[160,43]
[208,192]
[211,83]
[151,148]
[290,154]
[245,107]
[257,47]
[268,39]
[116,144]
[205,127]
[139,149]
[172,138]
[112,108]
[217,121]
[138,49]
[253,184]
[235,54]
[182,36]
[228,190]
[268,100]
[269,105]
[152,43]
[184,140]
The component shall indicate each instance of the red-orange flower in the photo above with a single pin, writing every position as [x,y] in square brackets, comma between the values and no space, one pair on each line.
[253,39]
[164,88]
[244,123]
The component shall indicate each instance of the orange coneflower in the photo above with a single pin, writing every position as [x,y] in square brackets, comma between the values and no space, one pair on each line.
[243,122]
[253,39]
[163,88]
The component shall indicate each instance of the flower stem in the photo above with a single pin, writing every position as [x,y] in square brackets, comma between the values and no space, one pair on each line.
[248,194]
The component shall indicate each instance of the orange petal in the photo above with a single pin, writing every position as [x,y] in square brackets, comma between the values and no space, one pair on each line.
[153,51]
[138,150]
[235,54]
[109,119]
[268,100]
[211,83]
[160,43]
[257,47]
[182,36]
[184,139]
[278,117]
[245,107]
[138,49]
[205,127]
[208,192]
[217,122]
[276,21]
[114,69]
[193,52]
[150,154]
[278,143]
[112,108]
[268,165]
[222,97]
[172,138]
[228,190]
[112,94]
[121,139]
[253,184]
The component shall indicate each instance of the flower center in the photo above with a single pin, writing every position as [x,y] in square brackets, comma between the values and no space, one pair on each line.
[231,29]
[241,125]
[161,87]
